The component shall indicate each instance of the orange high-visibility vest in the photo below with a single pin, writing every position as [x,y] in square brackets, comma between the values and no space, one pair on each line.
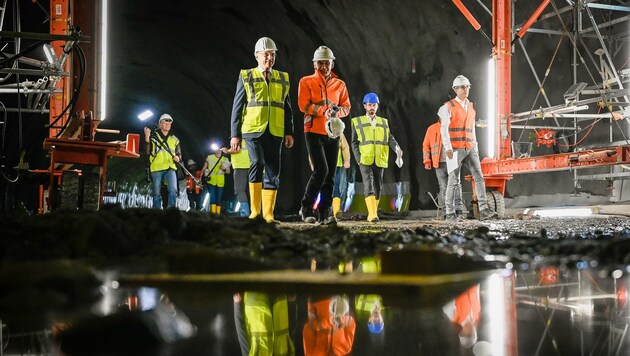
[462,125]
[432,146]
[190,185]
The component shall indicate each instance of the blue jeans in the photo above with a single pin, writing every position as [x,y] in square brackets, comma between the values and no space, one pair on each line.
[215,193]
[442,177]
[341,183]
[171,183]
[470,158]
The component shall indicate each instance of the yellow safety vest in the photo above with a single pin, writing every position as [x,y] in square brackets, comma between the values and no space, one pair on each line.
[160,158]
[240,160]
[373,141]
[365,302]
[339,158]
[265,102]
[216,177]
[267,325]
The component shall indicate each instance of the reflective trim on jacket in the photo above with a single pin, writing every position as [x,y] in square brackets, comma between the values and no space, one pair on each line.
[316,95]
[432,146]
[373,141]
[462,125]
[267,325]
[160,158]
[216,176]
[265,102]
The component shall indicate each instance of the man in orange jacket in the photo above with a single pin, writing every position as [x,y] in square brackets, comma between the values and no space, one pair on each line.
[458,135]
[433,157]
[321,97]
[330,328]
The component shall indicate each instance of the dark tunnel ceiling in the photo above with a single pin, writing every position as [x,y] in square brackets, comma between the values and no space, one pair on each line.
[183,57]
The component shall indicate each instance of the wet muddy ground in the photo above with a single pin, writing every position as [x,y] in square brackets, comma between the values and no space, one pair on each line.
[144,240]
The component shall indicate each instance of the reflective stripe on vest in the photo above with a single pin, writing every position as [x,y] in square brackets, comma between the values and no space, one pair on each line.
[373,141]
[267,325]
[216,177]
[462,125]
[265,102]
[241,160]
[160,158]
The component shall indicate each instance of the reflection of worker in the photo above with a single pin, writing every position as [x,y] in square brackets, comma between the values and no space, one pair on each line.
[370,303]
[323,98]
[164,152]
[240,165]
[192,189]
[464,311]
[215,168]
[262,324]
[330,328]
[370,140]
[343,163]
[433,157]
[458,137]
[262,116]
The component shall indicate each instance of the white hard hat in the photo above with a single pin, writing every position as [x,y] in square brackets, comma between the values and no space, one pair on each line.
[323,53]
[265,44]
[165,117]
[191,162]
[334,127]
[460,80]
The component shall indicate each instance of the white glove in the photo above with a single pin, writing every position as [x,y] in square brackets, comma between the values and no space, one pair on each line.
[399,160]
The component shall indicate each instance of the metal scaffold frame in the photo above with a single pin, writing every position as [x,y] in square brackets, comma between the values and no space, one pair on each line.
[606,91]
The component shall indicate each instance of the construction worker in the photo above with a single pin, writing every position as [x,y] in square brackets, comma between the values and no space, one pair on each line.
[164,152]
[433,157]
[240,165]
[192,189]
[262,116]
[330,327]
[214,168]
[458,135]
[370,140]
[323,98]
[262,324]
[343,163]
[465,312]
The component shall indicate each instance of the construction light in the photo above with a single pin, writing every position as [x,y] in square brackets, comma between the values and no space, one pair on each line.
[214,146]
[491,107]
[102,90]
[145,115]
[51,56]
[558,213]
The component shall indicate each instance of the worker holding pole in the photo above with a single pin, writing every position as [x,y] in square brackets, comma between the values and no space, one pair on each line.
[460,145]
[164,152]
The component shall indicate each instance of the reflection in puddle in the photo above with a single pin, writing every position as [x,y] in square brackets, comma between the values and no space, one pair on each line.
[356,310]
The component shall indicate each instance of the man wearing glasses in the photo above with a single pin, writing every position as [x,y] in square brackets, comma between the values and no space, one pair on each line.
[164,152]
[263,117]
[459,140]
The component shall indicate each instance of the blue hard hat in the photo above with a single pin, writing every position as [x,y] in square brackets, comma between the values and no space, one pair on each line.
[371,98]
[375,328]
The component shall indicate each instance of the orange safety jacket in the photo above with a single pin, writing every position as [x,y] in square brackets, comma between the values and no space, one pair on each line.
[467,305]
[321,338]
[190,184]
[432,146]
[462,125]
[316,95]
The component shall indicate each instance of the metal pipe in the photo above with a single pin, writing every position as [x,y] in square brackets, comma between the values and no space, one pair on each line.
[462,8]
[530,127]
[532,18]
[27,91]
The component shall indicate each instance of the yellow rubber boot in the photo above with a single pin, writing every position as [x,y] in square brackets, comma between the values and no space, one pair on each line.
[255,195]
[336,205]
[376,201]
[369,202]
[213,208]
[218,209]
[268,204]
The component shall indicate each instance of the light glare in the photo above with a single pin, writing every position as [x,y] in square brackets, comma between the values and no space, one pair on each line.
[491,107]
[555,213]
[145,115]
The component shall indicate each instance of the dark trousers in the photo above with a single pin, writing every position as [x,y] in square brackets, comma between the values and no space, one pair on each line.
[372,180]
[323,152]
[240,184]
[264,154]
